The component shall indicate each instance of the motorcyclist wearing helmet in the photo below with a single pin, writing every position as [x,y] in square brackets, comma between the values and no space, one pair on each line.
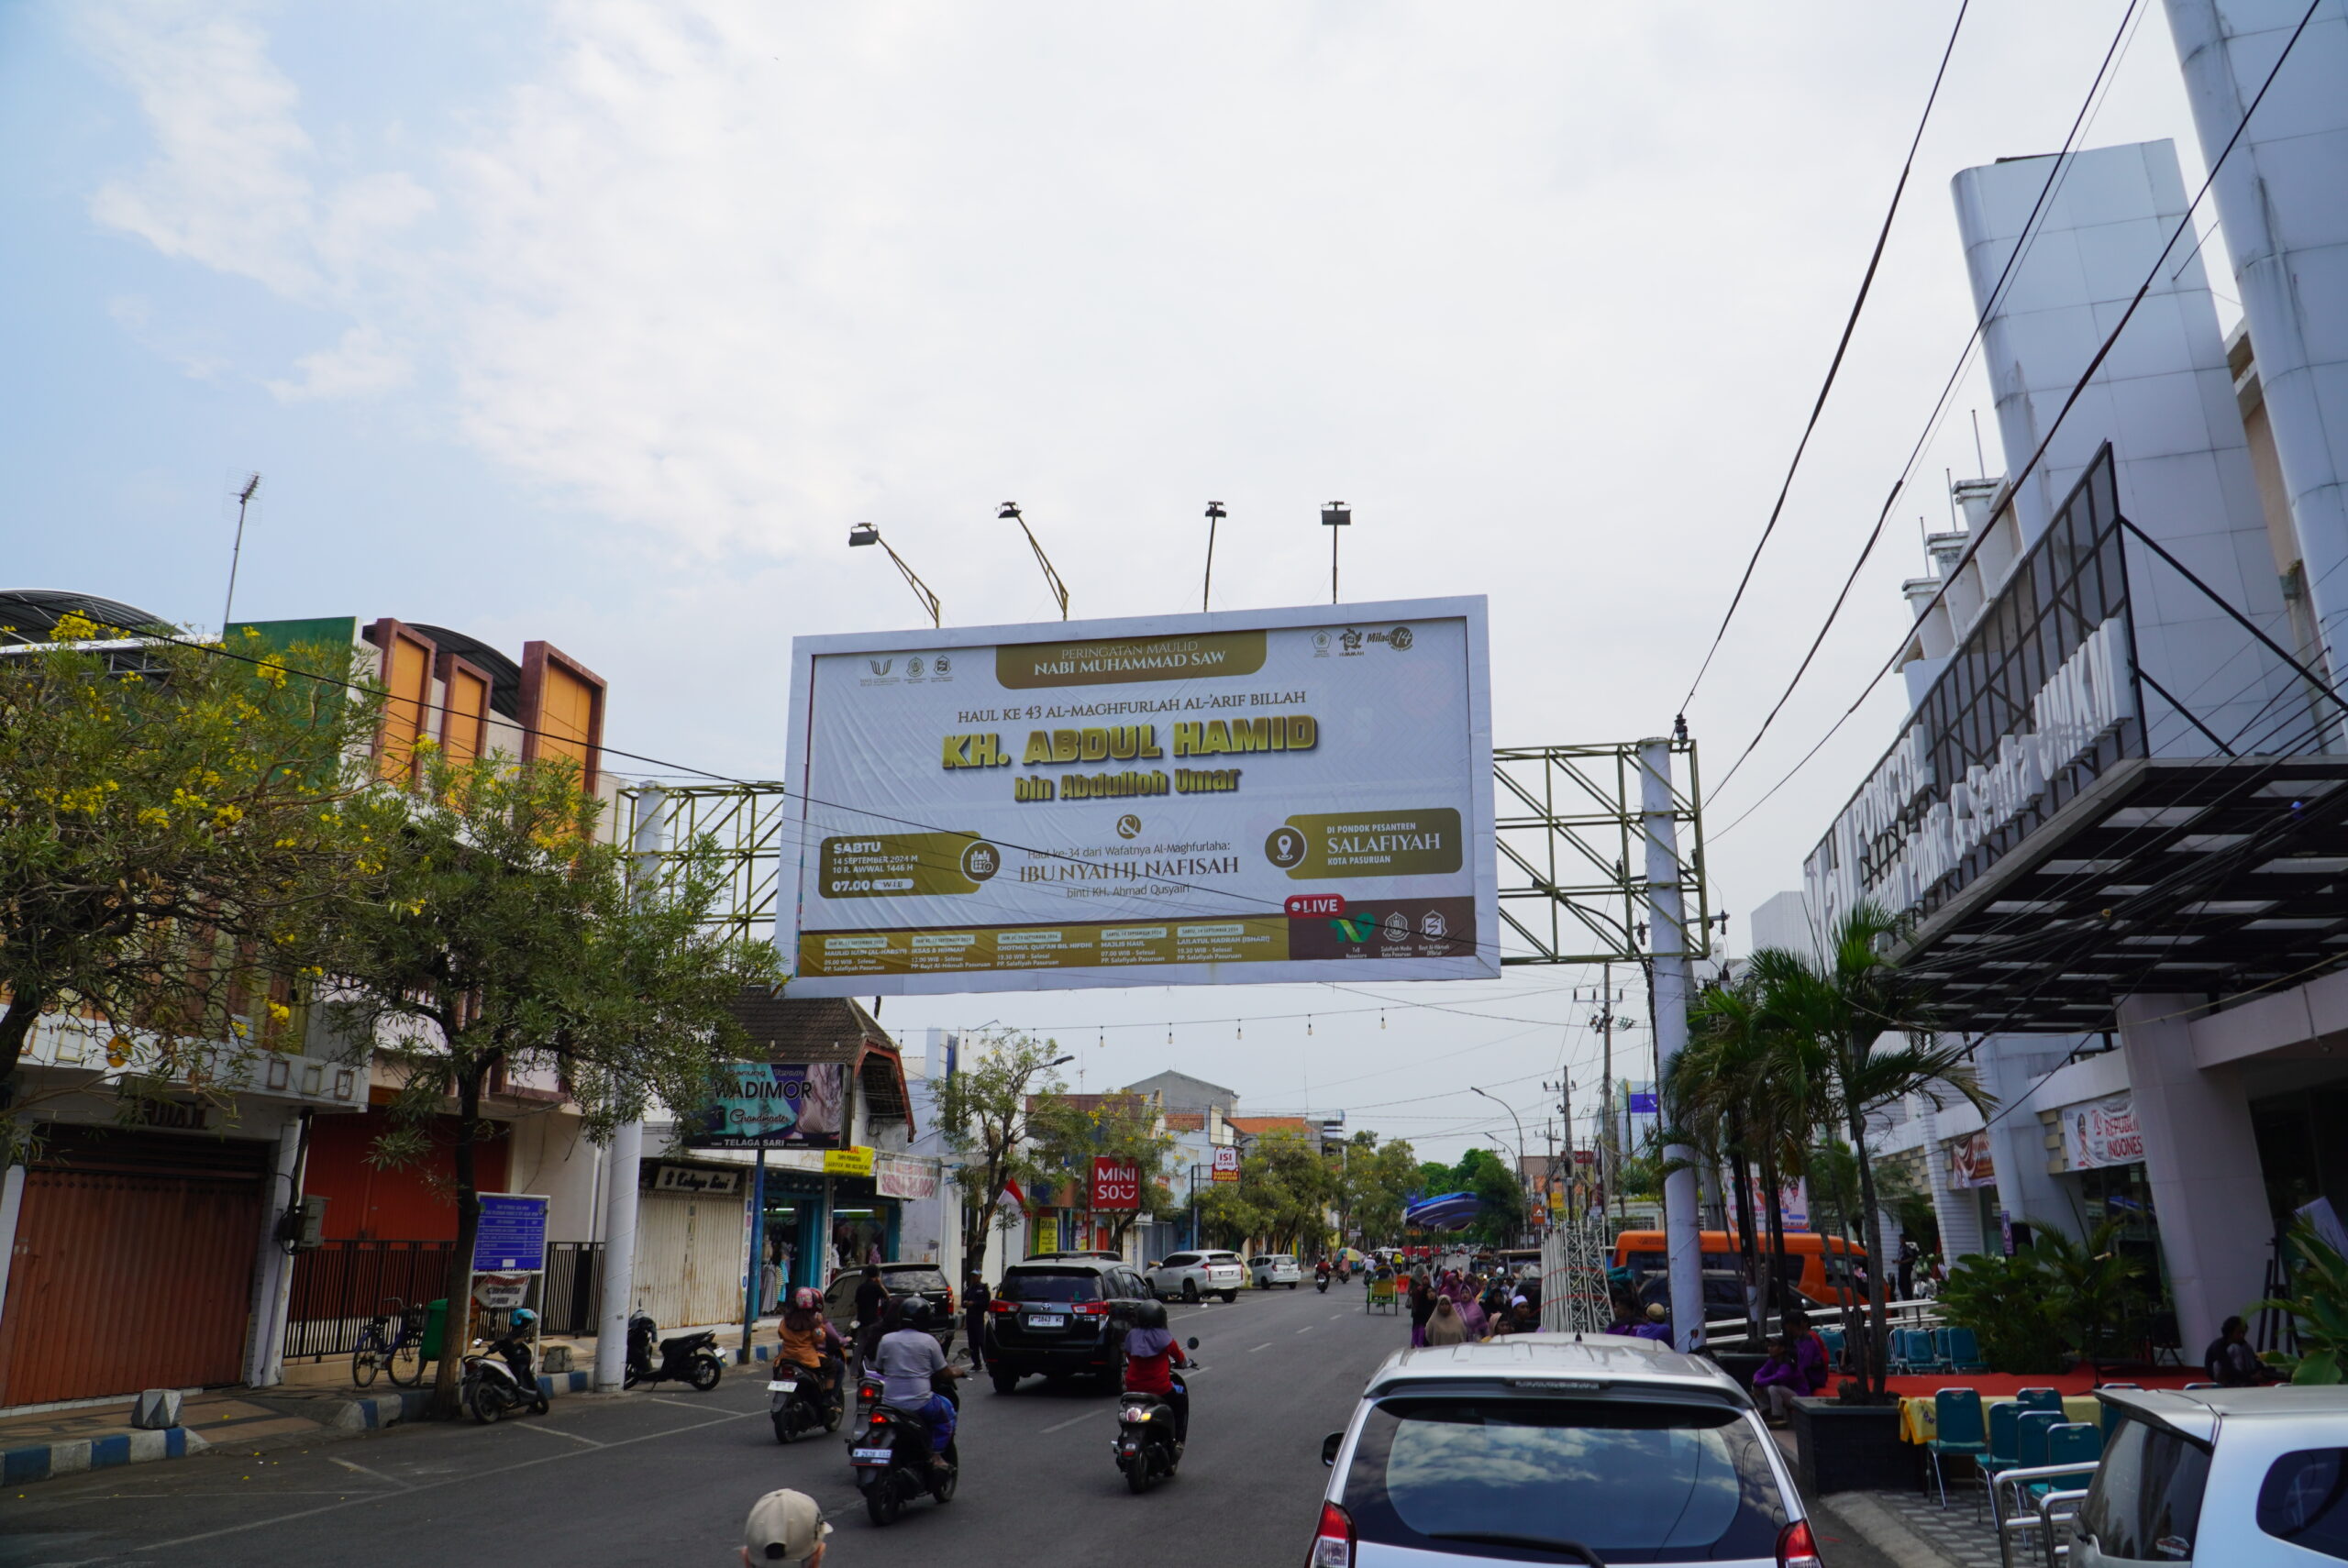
[809,1340]
[513,1344]
[1151,1354]
[910,1361]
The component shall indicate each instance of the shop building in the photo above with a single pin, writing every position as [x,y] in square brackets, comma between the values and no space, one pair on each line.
[2116,814]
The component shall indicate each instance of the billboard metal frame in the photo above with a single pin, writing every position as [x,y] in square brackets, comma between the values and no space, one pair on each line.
[1567,817]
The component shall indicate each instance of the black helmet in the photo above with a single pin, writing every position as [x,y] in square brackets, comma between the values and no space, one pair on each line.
[916,1313]
[1150,1315]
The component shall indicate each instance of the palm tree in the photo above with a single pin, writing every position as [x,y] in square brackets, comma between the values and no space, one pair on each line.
[1843,1006]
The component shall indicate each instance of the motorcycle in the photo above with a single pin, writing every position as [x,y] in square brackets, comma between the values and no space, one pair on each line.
[499,1380]
[686,1358]
[1145,1445]
[800,1401]
[1321,1279]
[890,1452]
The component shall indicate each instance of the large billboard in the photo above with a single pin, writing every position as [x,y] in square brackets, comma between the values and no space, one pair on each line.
[1275,795]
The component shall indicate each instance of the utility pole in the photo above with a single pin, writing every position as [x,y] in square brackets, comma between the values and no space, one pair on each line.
[1667,956]
[1216,514]
[1334,517]
[244,500]
[1610,1149]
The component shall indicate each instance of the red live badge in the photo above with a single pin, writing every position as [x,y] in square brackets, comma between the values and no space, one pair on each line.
[1302,904]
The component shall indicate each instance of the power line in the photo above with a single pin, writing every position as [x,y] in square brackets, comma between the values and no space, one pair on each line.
[2013,485]
[1834,365]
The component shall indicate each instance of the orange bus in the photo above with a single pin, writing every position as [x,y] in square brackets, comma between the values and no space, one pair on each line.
[1817,1266]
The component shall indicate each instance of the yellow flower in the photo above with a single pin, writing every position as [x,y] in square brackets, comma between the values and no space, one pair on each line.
[154,816]
[279,1012]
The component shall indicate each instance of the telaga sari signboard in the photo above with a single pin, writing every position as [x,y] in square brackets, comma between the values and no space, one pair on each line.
[1272,795]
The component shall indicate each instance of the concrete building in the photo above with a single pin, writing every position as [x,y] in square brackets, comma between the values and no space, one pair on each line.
[2117,813]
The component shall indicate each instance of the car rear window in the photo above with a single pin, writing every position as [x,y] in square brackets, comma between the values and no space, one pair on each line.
[1050,1285]
[906,1281]
[1634,1482]
[2304,1500]
[2145,1503]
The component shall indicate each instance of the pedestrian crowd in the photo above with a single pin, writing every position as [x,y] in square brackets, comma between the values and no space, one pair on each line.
[1449,1307]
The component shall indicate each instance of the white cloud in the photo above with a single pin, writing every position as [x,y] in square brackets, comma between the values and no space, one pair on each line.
[362,365]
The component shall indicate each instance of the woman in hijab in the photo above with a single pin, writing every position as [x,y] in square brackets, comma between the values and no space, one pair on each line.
[1446,1327]
[1471,1316]
[1423,1300]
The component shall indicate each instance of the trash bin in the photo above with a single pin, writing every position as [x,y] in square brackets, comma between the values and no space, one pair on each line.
[436,1327]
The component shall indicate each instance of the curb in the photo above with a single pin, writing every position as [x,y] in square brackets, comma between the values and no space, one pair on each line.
[43,1462]
[1884,1531]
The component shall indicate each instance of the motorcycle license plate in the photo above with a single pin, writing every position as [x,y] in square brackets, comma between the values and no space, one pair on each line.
[871,1455]
[781,1387]
[1053,1320]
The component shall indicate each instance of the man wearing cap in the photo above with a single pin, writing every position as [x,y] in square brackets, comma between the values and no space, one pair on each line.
[785,1527]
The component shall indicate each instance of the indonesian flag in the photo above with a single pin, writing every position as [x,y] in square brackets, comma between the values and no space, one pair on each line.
[1018,1196]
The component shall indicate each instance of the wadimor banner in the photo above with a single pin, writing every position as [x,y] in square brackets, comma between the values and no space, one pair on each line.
[1276,796]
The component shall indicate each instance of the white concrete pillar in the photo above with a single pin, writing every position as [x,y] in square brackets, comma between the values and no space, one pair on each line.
[2282,199]
[1959,1213]
[2201,1159]
[12,1204]
[273,1273]
[2018,1139]
[618,1271]
[1668,944]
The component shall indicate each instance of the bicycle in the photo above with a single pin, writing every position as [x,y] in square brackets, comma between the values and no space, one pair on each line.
[399,1356]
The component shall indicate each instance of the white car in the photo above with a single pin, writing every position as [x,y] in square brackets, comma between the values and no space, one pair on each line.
[1552,1447]
[1191,1276]
[2247,1477]
[1274,1268]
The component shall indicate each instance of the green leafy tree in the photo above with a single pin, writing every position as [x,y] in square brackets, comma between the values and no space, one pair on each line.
[1283,1198]
[2095,1289]
[1378,1179]
[178,833]
[1836,1012]
[995,1111]
[509,941]
[2319,1306]
[2015,1318]
[1070,1135]
[1486,1175]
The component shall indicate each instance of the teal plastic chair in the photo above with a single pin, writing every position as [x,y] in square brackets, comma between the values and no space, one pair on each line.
[1834,1340]
[1964,1350]
[2040,1399]
[2005,1416]
[1957,1425]
[2029,1438]
[2070,1443]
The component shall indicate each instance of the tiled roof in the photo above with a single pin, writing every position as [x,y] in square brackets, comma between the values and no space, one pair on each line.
[1186,1121]
[1091,1102]
[1249,1126]
[827,1028]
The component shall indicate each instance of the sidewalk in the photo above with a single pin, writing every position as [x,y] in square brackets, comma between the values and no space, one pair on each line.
[317,1401]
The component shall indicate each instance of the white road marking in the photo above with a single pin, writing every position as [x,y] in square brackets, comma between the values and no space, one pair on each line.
[1266,1345]
[557,1431]
[362,1470]
[1072,1421]
[1306,1330]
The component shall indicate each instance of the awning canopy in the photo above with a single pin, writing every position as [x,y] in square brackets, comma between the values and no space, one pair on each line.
[2216,877]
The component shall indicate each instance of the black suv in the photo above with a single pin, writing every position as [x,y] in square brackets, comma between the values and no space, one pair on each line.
[903,1279]
[1062,1315]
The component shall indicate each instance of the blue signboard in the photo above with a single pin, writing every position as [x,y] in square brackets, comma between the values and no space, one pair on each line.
[512,1236]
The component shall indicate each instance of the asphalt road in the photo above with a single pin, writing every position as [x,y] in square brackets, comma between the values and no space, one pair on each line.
[665,1478]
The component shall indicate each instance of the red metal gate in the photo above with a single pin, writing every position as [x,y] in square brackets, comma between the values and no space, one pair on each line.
[123,1282]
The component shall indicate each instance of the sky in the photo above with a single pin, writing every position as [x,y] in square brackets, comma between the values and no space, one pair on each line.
[600,321]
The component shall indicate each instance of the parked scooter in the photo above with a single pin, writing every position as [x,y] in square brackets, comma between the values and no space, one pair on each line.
[503,1377]
[686,1358]
[800,1401]
[1145,1445]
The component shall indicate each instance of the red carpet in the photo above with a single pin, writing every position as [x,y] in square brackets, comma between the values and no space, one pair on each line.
[1997,1384]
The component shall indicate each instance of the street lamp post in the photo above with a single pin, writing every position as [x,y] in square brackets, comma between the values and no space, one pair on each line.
[1520,1140]
[1051,578]
[1215,514]
[1334,517]
[866,534]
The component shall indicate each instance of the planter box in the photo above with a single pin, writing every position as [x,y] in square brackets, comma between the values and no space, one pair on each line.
[1850,1448]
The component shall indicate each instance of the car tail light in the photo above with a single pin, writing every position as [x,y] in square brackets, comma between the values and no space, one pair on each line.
[1333,1543]
[1796,1549]
[1092,1309]
[998,1305]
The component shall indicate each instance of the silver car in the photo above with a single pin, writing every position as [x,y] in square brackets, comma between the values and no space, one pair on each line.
[1552,1448]
[1190,1275]
[2246,1477]
[1269,1269]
